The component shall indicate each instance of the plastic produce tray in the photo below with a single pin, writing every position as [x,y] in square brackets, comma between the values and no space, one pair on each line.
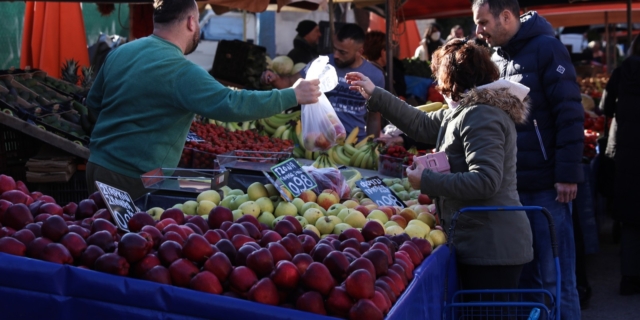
[33,289]
[391,166]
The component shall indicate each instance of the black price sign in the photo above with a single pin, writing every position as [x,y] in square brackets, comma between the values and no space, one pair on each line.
[293,177]
[377,191]
[119,204]
[194,137]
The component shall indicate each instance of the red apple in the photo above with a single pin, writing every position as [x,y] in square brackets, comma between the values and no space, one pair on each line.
[320,252]
[22,187]
[408,273]
[278,252]
[360,284]
[17,216]
[311,302]
[162,224]
[372,230]
[155,234]
[16,197]
[89,256]
[56,253]
[414,254]
[388,210]
[353,252]
[424,199]
[311,234]
[337,264]
[308,243]
[242,254]
[103,214]
[239,240]
[364,210]
[212,236]
[264,291]
[302,262]
[200,222]
[351,233]
[12,246]
[350,243]
[75,243]
[361,264]
[134,247]
[182,270]
[6,183]
[235,229]
[103,224]
[173,236]
[286,275]
[284,227]
[242,279]
[268,237]
[424,246]
[220,265]
[85,209]
[249,218]
[206,281]
[365,309]
[139,220]
[397,268]
[296,224]
[261,262]
[54,228]
[379,259]
[35,248]
[169,251]
[174,213]
[70,208]
[318,278]
[218,215]
[339,302]
[35,195]
[252,230]
[396,279]
[34,207]
[383,247]
[226,246]
[143,266]
[197,249]
[25,236]
[83,232]
[292,244]
[97,199]
[158,274]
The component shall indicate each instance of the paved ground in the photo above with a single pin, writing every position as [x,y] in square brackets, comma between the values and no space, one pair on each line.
[603,271]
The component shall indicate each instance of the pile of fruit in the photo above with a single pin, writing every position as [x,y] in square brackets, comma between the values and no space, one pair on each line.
[203,245]
[593,86]
[590,143]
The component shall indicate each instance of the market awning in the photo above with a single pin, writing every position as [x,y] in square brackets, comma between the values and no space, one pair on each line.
[222,6]
[589,14]
[53,32]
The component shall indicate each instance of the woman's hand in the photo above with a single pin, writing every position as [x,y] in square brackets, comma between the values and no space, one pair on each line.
[414,175]
[358,82]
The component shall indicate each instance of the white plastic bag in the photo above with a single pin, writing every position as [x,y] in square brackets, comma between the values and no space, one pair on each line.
[321,128]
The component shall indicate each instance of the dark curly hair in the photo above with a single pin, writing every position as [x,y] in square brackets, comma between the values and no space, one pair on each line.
[461,65]
[374,43]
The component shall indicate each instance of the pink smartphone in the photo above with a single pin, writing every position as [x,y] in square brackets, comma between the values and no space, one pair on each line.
[437,162]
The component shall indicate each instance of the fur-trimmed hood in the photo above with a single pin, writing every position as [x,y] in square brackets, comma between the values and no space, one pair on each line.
[510,97]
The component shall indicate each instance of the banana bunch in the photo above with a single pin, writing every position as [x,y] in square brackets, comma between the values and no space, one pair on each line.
[234,126]
[433,106]
[296,136]
[277,124]
[339,153]
[365,154]
[324,161]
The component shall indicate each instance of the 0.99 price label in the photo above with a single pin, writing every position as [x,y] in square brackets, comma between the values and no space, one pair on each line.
[119,204]
[379,193]
[293,177]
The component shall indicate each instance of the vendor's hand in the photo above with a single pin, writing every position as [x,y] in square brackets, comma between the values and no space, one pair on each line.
[414,175]
[358,82]
[307,91]
[391,141]
[566,191]
[269,77]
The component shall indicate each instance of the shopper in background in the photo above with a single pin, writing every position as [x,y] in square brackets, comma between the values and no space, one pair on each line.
[375,51]
[305,44]
[456,32]
[478,135]
[431,41]
[347,57]
[550,143]
[621,99]
[146,95]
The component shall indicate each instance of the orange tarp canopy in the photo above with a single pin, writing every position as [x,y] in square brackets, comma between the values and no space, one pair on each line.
[408,38]
[53,32]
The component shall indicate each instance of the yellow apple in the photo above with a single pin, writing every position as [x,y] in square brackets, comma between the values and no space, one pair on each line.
[391,224]
[237,214]
[266,218]
[204,207]
[335,209]
[265,204]
[313,228]
[438,237]
[350,204]
[355,219]
[285,208]
[211,195]
[156,212]
[415,231]
[394,230]
[380,215]
[250,207]
[312,215]
[256,191]
[190,207]
[325,225]
[340,227]
[427,218]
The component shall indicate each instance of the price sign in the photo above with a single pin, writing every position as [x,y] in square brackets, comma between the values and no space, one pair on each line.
[377,191]
[119,204]
[194,137]
[293,177]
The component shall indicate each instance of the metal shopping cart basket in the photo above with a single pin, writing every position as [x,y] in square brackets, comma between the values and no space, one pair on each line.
[505,304]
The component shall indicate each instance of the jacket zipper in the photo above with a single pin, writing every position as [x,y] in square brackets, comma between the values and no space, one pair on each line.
[544,152]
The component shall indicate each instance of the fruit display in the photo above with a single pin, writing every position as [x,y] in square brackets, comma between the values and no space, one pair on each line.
[340,264]
[593,86]
[590,143]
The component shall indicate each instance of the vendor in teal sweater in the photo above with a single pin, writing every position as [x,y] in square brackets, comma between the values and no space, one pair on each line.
[146,95]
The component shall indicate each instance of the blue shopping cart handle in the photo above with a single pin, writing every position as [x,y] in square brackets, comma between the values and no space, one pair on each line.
[535,314]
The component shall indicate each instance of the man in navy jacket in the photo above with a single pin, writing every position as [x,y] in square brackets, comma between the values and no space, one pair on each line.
[550,144]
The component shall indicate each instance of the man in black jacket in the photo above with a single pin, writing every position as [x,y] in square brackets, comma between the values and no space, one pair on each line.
[550,144]
[305,44]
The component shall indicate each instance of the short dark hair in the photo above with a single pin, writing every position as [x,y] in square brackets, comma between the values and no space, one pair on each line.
[497,6]
[635,47]
[171,11]
[374,43]
[464,65]
[350,31]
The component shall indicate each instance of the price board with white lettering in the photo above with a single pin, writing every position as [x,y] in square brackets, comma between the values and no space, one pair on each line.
[377,191]
[119,203]
[293,177]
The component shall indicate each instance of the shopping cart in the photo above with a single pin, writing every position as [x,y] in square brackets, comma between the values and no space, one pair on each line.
[505,304]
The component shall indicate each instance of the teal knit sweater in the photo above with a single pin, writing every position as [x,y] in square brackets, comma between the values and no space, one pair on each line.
[146,95]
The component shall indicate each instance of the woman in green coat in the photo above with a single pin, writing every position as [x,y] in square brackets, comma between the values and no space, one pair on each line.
[477,133]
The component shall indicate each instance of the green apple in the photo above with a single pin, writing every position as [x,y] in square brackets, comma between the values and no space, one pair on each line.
[394,230]
[391,224]
[204,207]
[236,192]
[235,203]
[178,206]
[312,215]
[355,219]
[276,220]
[285,208]
[309,205]
[190,207]
[211,195]
[250,207]
[266,218]
[345,212]
[340,227]
[298,203]
[225,191]
[416,231]
[397,181]
[271,190]
[313,228]
[397,188]
[226,201]
[335,209]
[407,185]
[237,214]
[302,220]
[256,191]
[324,212]
[325,225]
[379,215]
[265,204]
[414,194]
[387,181]
[156,212]
[335,219]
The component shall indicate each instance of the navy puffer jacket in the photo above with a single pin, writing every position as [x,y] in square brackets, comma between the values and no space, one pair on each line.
[550,144]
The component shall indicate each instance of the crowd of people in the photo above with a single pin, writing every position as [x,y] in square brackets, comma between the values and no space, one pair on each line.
[513,132]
